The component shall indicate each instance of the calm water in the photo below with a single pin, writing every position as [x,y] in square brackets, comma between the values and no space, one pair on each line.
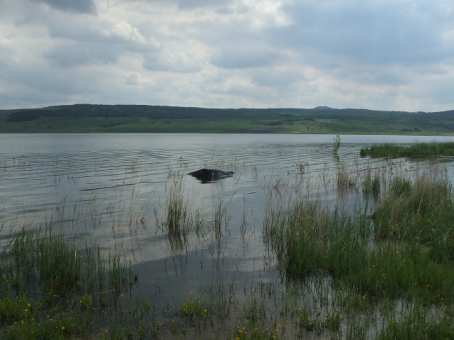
[112,188]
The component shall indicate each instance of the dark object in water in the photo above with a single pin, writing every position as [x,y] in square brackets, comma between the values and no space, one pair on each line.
[210,175]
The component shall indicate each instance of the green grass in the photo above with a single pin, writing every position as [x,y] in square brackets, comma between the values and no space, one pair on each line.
[419,213]
[345,180]
[372,185]
[418,325]
[405,252]
[312,240]
[420,150]
[52,289]
[46,265]
[178,217]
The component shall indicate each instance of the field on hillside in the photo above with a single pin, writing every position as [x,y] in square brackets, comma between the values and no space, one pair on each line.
[130,118]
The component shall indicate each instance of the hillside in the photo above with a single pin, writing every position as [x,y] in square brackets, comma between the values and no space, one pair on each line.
[142,118]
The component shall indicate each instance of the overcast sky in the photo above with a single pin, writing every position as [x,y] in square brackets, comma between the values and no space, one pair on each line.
[382,54]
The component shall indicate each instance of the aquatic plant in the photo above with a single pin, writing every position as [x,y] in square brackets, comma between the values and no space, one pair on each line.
[421,213]
[410,257]
[419,150]
[418,325]
[219,219]
[344,180]
[45,264]
[54,289]
[372,185]
[311,239]
[178,220]
[336,147]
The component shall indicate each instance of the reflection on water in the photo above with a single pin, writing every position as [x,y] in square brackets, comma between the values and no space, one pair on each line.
[114,190]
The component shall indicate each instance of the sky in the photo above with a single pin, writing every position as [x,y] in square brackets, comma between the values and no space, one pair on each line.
[377,54]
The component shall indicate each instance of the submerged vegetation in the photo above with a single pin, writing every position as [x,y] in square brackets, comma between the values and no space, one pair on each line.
[420,150]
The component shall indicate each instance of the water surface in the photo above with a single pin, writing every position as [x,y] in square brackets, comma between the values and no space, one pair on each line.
[112,189]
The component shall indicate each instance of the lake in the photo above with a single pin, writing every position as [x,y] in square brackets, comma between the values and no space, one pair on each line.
[112,190]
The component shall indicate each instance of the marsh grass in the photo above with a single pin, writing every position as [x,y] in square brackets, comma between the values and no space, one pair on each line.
[54,289]
[344,180]
[372,185]
[180,220]
[336,147]
[405,252]
[418,325]
[219,219]
[178,215]
[420,150]
[312,240]
[44,264]
[420,213]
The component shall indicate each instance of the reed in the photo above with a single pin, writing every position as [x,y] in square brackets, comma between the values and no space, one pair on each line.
[311,239]
[372,185]
[405,252]
[418,325]
[179,220]
[344,180]
[45,264]
[336,147]
[53,289]
[420,213]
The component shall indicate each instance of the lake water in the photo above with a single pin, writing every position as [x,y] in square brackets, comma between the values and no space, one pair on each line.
[112,189]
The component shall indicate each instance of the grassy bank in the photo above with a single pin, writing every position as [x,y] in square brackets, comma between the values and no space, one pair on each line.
[415,151]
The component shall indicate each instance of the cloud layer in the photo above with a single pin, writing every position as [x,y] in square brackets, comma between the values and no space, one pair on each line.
[384,54]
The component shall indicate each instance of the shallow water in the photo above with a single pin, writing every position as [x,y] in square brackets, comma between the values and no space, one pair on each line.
[112,188]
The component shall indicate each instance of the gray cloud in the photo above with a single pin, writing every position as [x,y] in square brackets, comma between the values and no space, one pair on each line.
[394,54]
[189,4]
[375,32]
[184,4]
[81,6]
[238,57]
[75,54]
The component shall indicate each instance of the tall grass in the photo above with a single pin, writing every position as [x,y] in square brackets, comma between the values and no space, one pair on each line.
[336,147]
[178,221]
[372,185]
[405,252]
[418,325]
[344,180]
[311,240]
[422,213]
[53,289]
[46,265]
[219,219]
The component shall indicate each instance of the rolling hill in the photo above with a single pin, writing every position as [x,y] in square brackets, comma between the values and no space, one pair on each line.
[144,118]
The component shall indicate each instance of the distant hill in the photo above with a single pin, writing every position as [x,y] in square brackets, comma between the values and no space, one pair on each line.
[144,118]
